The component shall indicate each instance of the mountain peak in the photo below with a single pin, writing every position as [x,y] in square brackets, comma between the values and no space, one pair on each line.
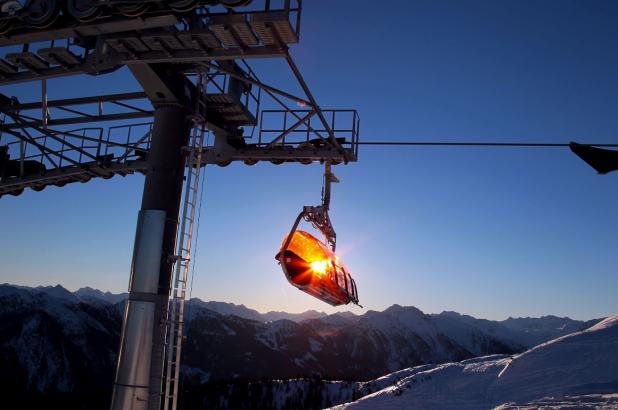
[57,292]
[450,313]
[89,294]
[396,308]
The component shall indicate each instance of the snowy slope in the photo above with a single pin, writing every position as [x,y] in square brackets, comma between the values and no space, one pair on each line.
[582,364]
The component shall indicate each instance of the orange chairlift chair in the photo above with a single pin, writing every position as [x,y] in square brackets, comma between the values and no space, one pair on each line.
[312,265]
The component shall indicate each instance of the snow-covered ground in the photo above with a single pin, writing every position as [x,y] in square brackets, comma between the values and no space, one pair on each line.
[579,370]
[589,401]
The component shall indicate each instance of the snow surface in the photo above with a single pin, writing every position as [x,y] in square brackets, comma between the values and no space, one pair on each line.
[591,401]
[579,370]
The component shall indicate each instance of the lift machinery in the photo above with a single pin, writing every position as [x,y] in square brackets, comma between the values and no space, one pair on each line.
[199,102]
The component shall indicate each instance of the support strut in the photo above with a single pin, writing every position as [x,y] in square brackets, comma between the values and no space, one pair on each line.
[140,363]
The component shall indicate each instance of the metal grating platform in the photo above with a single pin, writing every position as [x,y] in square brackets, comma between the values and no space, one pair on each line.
[158,39]
[28,61]
[7,68]
[59,56]
[223,32]
[230,109]
[274,28]
[233,31]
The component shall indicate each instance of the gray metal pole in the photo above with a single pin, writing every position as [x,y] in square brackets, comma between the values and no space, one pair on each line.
[141,357]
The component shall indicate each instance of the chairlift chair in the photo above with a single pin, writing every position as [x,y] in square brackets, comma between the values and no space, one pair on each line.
[311,265]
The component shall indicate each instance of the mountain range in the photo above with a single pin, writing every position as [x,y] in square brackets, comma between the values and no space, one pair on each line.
[61,345]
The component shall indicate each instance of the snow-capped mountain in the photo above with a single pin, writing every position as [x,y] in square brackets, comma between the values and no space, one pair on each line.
[517,333]
[226,308]
[537,330]
[54,345]
[89,294]
[62,344]
[575,369]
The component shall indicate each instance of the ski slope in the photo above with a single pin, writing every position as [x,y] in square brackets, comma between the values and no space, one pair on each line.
[580,369]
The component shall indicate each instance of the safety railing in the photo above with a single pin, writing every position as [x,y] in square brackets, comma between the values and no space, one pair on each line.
[291,8]
[78,148]
[295,127]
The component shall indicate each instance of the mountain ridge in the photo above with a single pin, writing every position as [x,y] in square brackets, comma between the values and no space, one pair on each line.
[246,312]
[53,342]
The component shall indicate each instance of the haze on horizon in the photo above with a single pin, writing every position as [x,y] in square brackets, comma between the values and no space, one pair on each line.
[487,232]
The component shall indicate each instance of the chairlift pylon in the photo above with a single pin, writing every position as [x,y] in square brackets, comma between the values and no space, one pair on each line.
[311,265]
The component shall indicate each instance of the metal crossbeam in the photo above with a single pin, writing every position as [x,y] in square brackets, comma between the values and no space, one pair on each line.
[96,105]
[81,30]
[61,176]
[67,102]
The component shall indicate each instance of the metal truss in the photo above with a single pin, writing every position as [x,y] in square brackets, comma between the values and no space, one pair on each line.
[41,143]
[37,149]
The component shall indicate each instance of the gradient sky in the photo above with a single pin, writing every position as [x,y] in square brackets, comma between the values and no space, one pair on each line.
[489,232]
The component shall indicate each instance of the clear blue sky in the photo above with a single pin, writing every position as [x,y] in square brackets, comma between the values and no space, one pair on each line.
[488,232]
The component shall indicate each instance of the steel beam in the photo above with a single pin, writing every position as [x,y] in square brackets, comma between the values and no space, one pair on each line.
[139,375]
[77,30]
[78,120]
[276,154]
[314,104]
[66,175]
[74,101]
[195,56]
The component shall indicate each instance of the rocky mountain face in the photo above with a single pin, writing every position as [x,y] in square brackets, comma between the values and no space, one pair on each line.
[61,346]
[55,347]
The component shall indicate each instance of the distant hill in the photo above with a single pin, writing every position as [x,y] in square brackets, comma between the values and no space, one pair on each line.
[63,345]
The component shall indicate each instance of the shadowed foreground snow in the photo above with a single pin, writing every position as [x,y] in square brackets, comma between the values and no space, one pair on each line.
[579,370]
[591,401]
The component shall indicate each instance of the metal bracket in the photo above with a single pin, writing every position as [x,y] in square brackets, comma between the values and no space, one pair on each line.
[318,215]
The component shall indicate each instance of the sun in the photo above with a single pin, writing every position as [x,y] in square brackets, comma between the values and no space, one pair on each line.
[319,267]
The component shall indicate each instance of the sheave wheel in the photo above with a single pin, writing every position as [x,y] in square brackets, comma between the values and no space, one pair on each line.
[41,13]
[235,3]
[132,10]
[5,26]
[183,6]
[82,10]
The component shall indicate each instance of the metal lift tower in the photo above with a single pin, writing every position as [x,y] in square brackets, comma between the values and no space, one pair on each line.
[191,59]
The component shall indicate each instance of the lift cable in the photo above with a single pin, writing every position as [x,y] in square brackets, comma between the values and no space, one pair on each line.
[478,144]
